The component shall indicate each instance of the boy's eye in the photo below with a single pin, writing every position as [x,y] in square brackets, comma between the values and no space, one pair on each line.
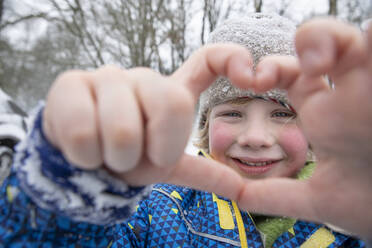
[283,114]
[231,114]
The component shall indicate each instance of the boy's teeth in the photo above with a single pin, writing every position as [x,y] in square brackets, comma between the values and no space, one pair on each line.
[256,164]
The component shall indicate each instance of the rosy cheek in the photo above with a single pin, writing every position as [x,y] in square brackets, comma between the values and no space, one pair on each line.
[294,143]
[220,139]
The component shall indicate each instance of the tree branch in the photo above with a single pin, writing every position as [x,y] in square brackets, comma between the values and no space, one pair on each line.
[23,18]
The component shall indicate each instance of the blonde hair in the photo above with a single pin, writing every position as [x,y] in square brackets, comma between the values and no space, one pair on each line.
[201,140]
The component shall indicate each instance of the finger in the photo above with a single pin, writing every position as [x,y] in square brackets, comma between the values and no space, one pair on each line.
[278,196]
[304,88]
[284,72]
[278,71]
[70,120]
[207,175]
[284,197]
[275,196]
[308,200]
[203,67]
[168,109]
[369,39]
[329,46]
[121,125]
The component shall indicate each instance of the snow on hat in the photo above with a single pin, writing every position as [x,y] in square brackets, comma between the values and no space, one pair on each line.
[262,34]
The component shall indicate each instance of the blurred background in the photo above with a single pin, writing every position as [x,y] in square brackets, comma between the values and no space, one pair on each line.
[39,39]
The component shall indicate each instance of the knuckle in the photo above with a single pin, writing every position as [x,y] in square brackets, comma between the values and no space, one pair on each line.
[80,146]
[122,147]
[67,80]
[122,136]
[71,75]
[110,69]
[143,70]
[79,137]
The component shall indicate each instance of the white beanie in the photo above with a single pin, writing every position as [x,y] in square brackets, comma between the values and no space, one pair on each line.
[261,34]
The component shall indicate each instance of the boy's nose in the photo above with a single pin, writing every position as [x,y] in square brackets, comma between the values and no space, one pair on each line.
[256,135]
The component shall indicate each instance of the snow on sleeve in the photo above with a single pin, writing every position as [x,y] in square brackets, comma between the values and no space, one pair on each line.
[54,184]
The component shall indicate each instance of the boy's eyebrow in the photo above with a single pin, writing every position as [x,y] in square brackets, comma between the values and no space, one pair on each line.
[229,105]
[243,100]
[282,103]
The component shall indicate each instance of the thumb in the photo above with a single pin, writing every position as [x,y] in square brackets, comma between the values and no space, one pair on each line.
[327,45]
[274,196]
[278,196]
[203,67]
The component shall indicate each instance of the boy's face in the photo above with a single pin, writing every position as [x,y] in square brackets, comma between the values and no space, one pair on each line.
[257,138]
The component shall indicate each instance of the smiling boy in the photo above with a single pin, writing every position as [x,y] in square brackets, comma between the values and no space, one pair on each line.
[87,163]
[255,134]
[257,138]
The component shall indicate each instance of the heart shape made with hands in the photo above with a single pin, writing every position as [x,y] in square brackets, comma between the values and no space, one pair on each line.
[143,140]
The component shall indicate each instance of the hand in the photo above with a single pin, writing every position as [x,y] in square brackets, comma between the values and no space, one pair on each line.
[136,122]
[142,141]
[337,123]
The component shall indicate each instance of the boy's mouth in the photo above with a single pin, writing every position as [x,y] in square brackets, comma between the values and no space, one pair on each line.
[255,167]
[256,163]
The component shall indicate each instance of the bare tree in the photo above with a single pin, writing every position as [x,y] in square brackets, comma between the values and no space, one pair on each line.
[22,19]
[357,11]
[258,6]
[284,7]
[15,18]
[177,35]
[78,18]
[88,34]
[332,10]
[147,32]
[27,73]
[129,33]
[1,10]
[213,12]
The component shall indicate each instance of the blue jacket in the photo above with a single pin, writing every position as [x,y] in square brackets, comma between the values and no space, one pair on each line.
[46,202]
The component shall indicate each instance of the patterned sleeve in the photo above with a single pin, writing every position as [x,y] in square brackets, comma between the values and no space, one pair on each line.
[46,198]
[91,196]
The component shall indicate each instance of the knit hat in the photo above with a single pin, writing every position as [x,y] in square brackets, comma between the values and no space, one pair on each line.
[262,34]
